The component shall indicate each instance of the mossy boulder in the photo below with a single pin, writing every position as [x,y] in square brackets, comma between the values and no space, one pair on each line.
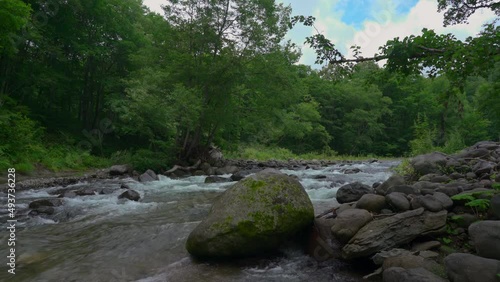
[253,217]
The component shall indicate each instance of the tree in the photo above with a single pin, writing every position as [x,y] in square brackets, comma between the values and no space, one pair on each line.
[458,11]
[14,15]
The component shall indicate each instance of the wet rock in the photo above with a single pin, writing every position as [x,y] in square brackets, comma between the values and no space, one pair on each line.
[51,202]
[352,170]
[254,216]
[87,192]
[131,195]
[42,210]
[470,268]
[399,274]
[242,174]
[229,169]
[393,231]
[398,201]
[485,236]
[371,202]
[119,170]
[148,176]
[394,180]
[125,186]
[352,192]
[217,179]
[346,224]
[67,194]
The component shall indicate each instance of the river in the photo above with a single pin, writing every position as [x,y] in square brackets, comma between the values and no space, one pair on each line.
[101,238]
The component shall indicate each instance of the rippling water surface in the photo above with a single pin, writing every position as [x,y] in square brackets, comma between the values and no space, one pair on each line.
[101,238]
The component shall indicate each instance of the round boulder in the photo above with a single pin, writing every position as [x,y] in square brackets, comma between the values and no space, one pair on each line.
[371,202]
[346,224]
[352,192]
[252,217]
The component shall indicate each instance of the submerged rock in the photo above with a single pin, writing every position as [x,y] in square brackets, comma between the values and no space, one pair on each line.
[252,217]
[131,195]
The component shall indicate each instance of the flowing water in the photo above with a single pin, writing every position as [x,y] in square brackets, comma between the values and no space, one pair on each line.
[101,238]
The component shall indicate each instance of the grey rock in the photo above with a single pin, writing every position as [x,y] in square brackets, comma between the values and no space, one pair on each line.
[445,200]
[394,180]
[148,176]
[495,205]
[345,207]
[473,153]
[381,256]
[421,185]
[440,179]
[124,186]
[470,268]
[119,170]
[352,192]
[466,219]
[346,224]
[428,254]
[399,274]
[428,202]
[483,167]
[406,189]
[424,246]
[393,231]
[398,201]
[485,236]
[429,163]
[371,202]
[217,179]
[131,195]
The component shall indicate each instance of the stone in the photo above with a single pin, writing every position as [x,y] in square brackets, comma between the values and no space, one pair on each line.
[345,207]
[428,202]
[253,217]
[198,173]
[394,180]
[428,254]
[381,256]
[483,167]
[473,153]
[352,170]
[399,274]
[148,176]
[119,170]
[217,179]
[352,192]
[43,210]
[429,163]
[424,246]
[242,174]
[440,179]
[229,169]
[495,205]
[406,189]
[444,199]
[346,224]
[131,195]
[68,194]
[466,219]
[124,186]
[393,231]
[485,236]
[371,202]
[398,201]
[470,268]
[50,202]
[422,185]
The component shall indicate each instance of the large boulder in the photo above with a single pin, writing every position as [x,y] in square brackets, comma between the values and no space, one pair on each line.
[470,268]
[352,192]
[346,224]
[398,201]
[429,163]
[486,238]
[390,232]
[252,217]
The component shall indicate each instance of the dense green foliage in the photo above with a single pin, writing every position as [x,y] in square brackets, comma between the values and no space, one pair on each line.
[108,78]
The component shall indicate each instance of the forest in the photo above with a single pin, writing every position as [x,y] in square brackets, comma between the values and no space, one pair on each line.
[90,83]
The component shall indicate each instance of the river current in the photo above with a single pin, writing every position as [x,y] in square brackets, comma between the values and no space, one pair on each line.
[102,238]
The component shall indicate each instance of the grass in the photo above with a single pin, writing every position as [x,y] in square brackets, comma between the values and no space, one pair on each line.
[263,153]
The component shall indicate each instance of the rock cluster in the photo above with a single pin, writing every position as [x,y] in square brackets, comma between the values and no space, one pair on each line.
[452,197]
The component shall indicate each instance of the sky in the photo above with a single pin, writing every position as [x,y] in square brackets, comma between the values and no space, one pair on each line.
[367,23]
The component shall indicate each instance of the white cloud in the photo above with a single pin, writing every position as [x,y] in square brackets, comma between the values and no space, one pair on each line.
[423,15]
